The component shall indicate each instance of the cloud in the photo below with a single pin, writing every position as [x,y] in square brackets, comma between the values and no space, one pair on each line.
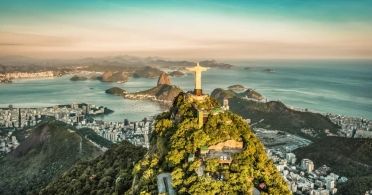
[10,44]
[29,39]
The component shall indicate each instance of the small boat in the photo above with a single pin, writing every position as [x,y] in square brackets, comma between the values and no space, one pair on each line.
[119,82]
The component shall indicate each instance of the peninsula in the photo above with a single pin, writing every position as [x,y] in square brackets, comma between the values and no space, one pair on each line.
[163,92]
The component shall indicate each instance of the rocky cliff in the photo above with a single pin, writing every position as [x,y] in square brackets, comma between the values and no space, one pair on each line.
[164,79]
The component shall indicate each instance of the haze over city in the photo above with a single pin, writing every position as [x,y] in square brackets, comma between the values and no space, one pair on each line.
[187,29]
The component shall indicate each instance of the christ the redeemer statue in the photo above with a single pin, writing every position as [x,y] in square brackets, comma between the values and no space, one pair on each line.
[198,69]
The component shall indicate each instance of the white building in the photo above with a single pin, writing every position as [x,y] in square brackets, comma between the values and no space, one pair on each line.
[289,157]
[330,184]
[307,165]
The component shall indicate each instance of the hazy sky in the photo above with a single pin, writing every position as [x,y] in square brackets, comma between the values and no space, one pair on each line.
[187,29]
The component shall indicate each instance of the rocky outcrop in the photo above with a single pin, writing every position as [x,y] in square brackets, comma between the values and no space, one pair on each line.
[106,76]
[168,92]
[164,79]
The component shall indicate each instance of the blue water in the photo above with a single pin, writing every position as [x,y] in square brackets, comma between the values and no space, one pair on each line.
[340,87]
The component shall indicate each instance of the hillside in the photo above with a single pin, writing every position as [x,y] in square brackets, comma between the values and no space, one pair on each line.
[107,174]
[147,72]
[49,150]
[163,92]
[109,76]
[211,154]
[276,115]
[346,157]
[221,94]
[250,93]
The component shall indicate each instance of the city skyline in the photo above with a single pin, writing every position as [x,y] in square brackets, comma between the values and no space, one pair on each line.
[187,30]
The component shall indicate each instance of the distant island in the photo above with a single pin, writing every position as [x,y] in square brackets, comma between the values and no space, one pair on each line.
[147,72]
[176,74]
[116,91]
[107,76]
[215,64]
[248,68]
[236,87]
[269,70]
[82,78]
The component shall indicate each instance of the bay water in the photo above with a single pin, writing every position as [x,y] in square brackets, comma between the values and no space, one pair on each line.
[330,86]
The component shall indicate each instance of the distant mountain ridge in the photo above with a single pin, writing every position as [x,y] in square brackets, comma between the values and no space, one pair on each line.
[109,61]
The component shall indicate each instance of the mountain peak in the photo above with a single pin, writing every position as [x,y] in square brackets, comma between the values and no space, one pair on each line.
[164,79]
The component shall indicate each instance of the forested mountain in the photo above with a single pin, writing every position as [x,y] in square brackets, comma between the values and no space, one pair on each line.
[107,174]
[196,148]
[181,147]
[49,150]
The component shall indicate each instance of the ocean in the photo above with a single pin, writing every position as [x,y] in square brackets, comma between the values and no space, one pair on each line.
[339,87]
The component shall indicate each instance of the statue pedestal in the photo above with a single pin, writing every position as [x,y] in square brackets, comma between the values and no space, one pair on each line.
[198,92]
[199,98]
